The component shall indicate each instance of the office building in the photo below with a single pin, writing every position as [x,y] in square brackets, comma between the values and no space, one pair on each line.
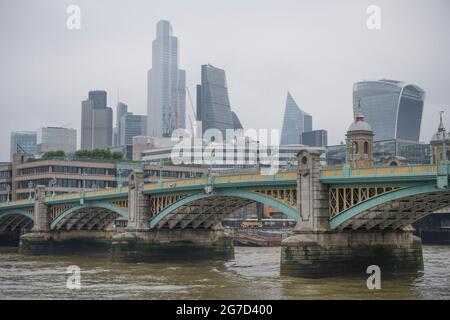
[56,138]
[315,138]
[96,122]
[166,85]
[413,152]
[19,178]
[213,103]
[393,108]
[130,126]
[23,142]
[121,110]
[5,181]
[295,122]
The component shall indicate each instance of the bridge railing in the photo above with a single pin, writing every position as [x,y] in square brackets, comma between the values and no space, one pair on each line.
[290,175]
[16,202]
[379,171]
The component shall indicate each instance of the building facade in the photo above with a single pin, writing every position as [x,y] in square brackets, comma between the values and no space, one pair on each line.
[56,138]
[96,122]
[121,110]
[393,109]
[131,126]
[23,142]
[19,178]
[413,152]
[5,181]
[213,103]
[315,138]
[359,143]
[295,122]
[440,144]
[166,85]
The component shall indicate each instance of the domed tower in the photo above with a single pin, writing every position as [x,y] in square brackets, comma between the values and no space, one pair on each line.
[360,143]
[440,144]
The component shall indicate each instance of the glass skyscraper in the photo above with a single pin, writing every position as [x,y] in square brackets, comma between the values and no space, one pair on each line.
[24,141]
[166,85]
[295,122]
[393,109]
[213,104]
[131,125]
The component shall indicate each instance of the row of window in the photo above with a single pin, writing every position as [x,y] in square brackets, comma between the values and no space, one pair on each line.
[66,169]
[5,174]
[172,174]
[4,186]
[68,183]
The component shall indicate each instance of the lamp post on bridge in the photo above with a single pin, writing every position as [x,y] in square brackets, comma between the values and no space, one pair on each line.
[8,191]
[53,184]
[119,180]
[30,187]
[83,188]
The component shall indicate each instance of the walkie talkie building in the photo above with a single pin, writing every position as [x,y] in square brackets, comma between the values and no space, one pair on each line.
[392,108]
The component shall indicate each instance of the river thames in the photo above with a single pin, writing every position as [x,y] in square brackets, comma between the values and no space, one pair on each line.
[252,274]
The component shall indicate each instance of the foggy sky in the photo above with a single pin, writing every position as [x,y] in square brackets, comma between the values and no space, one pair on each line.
[314,49]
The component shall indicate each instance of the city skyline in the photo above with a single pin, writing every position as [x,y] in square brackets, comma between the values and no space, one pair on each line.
[110,67]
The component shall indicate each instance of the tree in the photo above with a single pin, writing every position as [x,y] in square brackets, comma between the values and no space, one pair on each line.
[54,154]
[117,155]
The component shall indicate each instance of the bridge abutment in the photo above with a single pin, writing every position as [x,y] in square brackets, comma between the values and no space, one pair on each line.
[317,251]
[40,233]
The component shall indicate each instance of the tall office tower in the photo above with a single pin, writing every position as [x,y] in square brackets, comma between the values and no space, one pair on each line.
[23,141]
[393,109]
[315,138]
[96,122]
[56,138]
[236,122]
[121,110]
[295,122]
[166,99]
[213,104]
[131,126]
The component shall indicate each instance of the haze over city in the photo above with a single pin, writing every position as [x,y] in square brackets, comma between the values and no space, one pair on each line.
[315,50]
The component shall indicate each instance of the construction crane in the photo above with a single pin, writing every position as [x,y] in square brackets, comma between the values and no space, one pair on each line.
[193,125]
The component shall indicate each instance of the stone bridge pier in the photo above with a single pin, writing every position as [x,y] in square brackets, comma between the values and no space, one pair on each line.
[141,243]
[317,251]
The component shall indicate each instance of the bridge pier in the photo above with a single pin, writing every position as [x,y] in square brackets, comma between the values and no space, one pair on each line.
[140,243]
[317,251]
[32,242]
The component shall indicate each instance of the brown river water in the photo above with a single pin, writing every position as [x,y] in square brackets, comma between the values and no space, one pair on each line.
[252,274]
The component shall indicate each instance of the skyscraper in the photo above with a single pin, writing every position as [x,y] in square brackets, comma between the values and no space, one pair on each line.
[295,122]
[131,126]
[121,110]
[96,122]
[213,104]
[23,141]
[393,109]
[315,138]
[166,85]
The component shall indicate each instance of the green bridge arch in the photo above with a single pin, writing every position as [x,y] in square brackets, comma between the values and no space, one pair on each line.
[289,211]
[18,212]
[381,199]
[104,205]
